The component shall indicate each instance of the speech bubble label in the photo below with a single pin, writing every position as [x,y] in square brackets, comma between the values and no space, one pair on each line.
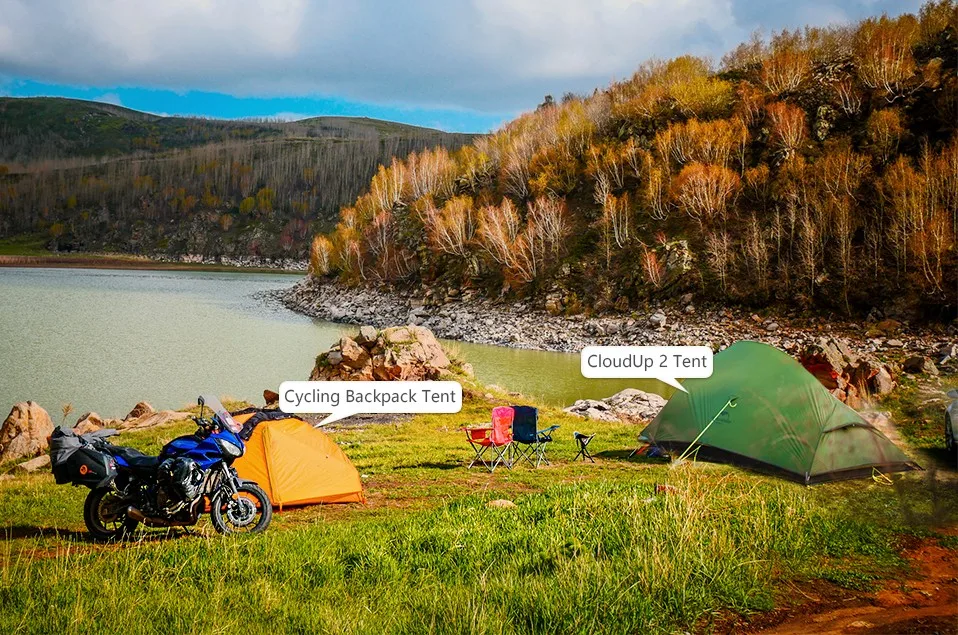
[341,399]
[665,363]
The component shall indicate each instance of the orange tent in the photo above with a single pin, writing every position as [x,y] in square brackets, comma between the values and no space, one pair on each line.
[298,464]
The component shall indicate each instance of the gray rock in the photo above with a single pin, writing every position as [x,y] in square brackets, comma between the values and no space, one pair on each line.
[894,343]
[33,465]
[658,319]
[771,327]
[335,358]
[636,404]
[367,335]
[920,364]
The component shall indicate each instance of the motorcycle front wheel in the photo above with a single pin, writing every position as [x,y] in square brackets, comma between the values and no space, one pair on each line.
[247,511]
[104,514]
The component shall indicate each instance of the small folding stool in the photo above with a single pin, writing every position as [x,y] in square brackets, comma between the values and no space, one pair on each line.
[583,440]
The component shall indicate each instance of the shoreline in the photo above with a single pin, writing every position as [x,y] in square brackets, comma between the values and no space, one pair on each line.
[521,325]
[118,261]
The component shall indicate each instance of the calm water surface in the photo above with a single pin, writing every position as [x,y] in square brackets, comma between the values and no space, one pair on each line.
[103,340]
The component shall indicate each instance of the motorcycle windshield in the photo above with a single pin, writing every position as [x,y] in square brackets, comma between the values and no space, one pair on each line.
[221,413]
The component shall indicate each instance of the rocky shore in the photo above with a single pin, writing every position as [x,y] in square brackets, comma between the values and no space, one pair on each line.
[465,317]
[240,262]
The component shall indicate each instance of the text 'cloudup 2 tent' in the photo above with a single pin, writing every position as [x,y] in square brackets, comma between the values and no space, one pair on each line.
[782,420]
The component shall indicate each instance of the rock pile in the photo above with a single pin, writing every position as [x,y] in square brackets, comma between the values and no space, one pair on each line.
[628,405]
[143,415]
[851,378]
[546,323]
[403,353]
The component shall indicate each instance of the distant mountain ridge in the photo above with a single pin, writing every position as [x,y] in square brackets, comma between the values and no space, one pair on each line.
[37,128]
[92,176]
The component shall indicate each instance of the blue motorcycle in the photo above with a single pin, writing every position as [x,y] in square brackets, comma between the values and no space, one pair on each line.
[191,476]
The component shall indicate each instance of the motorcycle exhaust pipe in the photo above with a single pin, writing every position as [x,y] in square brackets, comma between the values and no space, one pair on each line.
[149,521]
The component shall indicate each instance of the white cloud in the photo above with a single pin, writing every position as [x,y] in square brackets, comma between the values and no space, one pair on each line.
[109,98]
[485,55]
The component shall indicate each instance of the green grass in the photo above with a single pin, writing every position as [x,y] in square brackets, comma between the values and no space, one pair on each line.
[589,548]
[25,245]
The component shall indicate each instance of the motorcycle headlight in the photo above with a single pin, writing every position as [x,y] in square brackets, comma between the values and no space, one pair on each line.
[229,448]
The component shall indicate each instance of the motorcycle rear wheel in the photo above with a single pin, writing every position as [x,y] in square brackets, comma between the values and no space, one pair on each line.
[247,511]
[104,514]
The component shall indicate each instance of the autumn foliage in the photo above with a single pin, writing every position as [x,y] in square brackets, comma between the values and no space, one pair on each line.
[819,167]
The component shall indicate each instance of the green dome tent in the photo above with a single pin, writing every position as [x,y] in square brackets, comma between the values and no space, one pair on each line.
[762,409]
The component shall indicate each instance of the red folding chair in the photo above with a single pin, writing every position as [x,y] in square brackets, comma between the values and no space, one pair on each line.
[498,438]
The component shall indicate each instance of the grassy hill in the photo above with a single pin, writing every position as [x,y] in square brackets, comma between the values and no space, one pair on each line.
[92,176]
[44,128]
[817,169]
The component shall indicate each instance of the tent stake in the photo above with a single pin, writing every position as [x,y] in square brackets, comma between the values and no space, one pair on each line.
[728,404]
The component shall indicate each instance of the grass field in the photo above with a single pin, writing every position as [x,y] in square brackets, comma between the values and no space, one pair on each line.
[589,547]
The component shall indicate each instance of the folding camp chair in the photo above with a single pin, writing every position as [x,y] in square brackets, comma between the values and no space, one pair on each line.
[583,440]
[529,441]
[498,438]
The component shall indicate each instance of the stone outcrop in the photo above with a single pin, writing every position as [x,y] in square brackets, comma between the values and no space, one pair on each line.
[404,353]
[24,432]
[628,405]
[90,422]
[150,420]
[850,377]
[139,410]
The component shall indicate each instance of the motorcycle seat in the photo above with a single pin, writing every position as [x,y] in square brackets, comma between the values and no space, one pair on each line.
[136,459]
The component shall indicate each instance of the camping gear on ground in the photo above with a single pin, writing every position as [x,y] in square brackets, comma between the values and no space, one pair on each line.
[192,475]
[497,437]
[761,409]
[529,441]
[583,441]
[650,451]
[294,462]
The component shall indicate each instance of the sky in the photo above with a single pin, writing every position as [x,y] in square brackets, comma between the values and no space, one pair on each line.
[456,65]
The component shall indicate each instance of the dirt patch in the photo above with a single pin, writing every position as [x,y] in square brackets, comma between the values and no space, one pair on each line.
[925,602]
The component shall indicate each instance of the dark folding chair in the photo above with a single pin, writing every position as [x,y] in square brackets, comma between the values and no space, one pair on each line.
[583,441]
[529,441]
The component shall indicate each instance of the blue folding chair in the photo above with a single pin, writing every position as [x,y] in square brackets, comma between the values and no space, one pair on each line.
[528,440]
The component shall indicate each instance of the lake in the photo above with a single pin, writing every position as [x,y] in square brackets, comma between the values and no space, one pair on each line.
[103,340]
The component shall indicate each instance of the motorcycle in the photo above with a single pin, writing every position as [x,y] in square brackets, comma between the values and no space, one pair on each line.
[191,476]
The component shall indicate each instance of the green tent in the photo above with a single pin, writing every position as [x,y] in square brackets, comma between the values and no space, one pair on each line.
[780,420]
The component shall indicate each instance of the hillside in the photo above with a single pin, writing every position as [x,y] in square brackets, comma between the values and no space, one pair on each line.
[818,169]
[91,176]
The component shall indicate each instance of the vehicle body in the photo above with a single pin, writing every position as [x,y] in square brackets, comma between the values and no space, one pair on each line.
[191,476]
[951,424]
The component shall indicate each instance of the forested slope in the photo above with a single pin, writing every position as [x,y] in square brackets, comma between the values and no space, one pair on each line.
[86,176]
[818,168]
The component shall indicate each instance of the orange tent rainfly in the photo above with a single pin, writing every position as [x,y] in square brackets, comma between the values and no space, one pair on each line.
[294,462]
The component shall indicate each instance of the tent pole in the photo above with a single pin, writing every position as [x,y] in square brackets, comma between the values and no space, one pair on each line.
[728,404]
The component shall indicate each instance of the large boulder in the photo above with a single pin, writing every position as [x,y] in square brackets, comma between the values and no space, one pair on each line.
[405,353]
[851,378]
[24,432]
[90,422]
[139,410]
[627,405]
[151,420]
[636,404]
[594,409]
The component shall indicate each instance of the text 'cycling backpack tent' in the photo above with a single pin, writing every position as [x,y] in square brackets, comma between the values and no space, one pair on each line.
[294,462]
[762,409]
